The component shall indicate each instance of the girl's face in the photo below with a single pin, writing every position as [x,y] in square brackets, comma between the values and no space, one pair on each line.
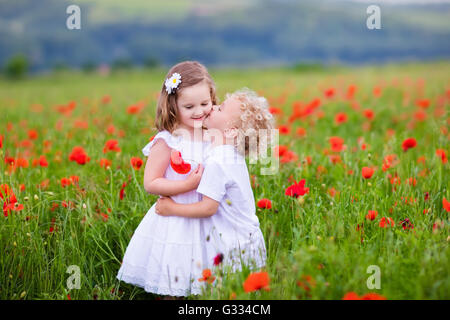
[194,104]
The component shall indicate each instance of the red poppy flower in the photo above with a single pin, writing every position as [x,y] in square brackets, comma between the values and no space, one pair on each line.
[218,259]
[43,161]
[441,154]
[367,172]
[297,189]
[1,141]
[329,93]
[337,144]
[52,226]
[390,161]
[289,156]
[65,182]
[110,129]
[351,91]
[207,276]
[274,110]
[257,281]
[111,145]
[135,108]
[68,204]
[136,163]
[106,99]
[177,163]
[386,222]
[307,282]
[44,184]
[377,91]
[264,204]
[122,191]
[79,155]
[372,215]
[423,103]
[9,200]
[446,204]
[301,132]
[104,216]
[5,191]
[284,130]
[411,181]
[280,150]
[340,117]
[351,296]
[420,115]
[22,162]
[408,144]
[368,113]
[372,296]
[32,134]
[335,158]
[74,179]
[105,163]
[406,224]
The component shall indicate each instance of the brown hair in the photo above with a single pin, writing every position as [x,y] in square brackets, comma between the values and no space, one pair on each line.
[192,72]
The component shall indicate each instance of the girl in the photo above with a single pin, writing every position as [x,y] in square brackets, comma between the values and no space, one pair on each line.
[165,255]
[228,206]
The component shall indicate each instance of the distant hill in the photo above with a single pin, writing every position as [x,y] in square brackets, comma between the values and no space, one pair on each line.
[220,32]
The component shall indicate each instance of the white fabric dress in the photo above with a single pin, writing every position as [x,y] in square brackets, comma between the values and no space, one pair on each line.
[166,255]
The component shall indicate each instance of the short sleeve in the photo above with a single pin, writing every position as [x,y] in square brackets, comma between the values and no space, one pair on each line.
[213,182]
[166,136]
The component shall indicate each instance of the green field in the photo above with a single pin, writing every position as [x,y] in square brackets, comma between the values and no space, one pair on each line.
[315,237]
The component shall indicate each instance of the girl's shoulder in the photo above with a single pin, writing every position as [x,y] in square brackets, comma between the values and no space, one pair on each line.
[170,140]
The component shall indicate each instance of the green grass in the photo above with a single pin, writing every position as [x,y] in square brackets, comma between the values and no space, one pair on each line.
[317,237]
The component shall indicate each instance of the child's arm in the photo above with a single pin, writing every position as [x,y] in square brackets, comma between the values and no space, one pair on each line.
[202,209]
[155,167]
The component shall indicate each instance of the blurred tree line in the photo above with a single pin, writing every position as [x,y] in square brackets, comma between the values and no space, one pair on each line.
[269,32]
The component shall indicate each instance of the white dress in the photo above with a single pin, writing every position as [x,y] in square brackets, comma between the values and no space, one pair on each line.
[166,255]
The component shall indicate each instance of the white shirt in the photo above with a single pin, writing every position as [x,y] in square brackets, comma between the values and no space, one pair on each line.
[234,227]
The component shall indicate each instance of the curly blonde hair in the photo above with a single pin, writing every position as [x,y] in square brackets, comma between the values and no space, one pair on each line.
[192,72]
[255,122]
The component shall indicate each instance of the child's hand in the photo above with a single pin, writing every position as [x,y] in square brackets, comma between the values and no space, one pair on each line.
[194,177]
[163,206]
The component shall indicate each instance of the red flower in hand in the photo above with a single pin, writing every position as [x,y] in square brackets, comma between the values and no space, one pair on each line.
[177,163]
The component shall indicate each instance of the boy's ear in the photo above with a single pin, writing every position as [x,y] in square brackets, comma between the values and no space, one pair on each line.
[230,133]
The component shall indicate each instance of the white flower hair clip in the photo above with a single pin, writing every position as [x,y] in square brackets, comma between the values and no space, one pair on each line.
[173,82]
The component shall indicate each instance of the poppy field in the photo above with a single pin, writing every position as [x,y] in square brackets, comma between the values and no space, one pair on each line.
[358,208]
